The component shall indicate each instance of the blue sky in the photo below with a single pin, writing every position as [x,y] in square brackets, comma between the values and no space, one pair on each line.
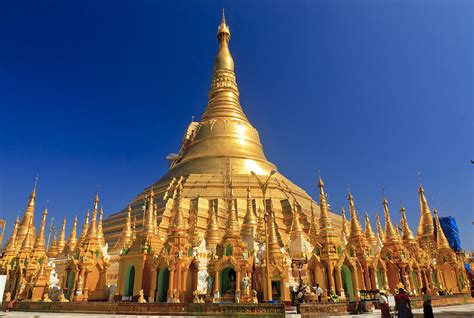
[368,92]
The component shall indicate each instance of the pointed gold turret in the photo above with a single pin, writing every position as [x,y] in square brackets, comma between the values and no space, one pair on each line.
[380,233]
[233,228]
[441,240]
[356,228]
[273,242]
[72,240]
[369,233]
[325,224]
[213,236]
[100,231]
[149,224]
[40,245]
[10,247]
[127,232]
[178,227]
[426,226]
[223,123]
[53,248]
[28,218]
[91,242]
[345,231]
[390,234]
[250,220]
[85,229]
[62,237]
[407,234]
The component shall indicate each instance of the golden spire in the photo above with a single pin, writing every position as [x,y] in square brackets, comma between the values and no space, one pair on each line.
[407,234]
[178,221]
[91,241]
[72,240]
[441,241]
[28,217]
[126,237]
[314,227]
[85,230]
[40,245]
[62,237]
[345,231]
[250,220]
[10,247]
[26,244]
[100,231]
[380,233]
[369,233]
[273,243]
[390,234]
[426,227]
[53,248]
[325,224]
[233,228]
[212,232]
[149,224]
[296,229]
[356,228]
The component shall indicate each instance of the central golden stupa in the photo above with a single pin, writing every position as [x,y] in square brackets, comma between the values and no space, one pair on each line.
[222,146]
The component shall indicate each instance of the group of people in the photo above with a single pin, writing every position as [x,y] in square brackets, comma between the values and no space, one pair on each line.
[299,292]
[403,304]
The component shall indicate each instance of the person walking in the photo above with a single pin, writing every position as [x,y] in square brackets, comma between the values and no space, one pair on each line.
[403,305]
[384,308]
[427,308]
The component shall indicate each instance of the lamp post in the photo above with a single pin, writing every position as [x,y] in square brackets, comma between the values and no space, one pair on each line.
[263,188]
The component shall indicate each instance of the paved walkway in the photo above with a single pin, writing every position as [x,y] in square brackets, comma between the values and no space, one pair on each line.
[461,311]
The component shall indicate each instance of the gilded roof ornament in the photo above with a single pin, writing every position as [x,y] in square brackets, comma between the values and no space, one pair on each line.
[426,226]
[407,234]
[390,234]
[62,237]
[127,232]
[40,244]
[441,241]
[85,229]
[356,228]
[100,230]
[72,240]
[325,224]
[369,233]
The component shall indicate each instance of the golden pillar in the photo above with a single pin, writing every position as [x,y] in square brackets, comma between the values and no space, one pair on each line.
[356,284]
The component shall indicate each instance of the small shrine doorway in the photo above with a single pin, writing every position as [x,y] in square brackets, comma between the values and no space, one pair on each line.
[228,281]
[129,282]
[347,282]
[162,283]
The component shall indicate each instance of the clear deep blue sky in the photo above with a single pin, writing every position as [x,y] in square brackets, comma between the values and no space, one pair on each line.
[368,92]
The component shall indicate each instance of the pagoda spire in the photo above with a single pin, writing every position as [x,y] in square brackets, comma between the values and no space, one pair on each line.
[250,220]
[344,227]
[62,237]
[325,224]
[380,233]
[53,248]
[426,226]
[407,234]
[273,242]
[91,241]
[356,228]
[212,232]
[40,245]
[85,229]
[28,217]
[127,233]
[224,94]
[369,233]
[72,240]
[149,224]
[10,247]
[441,241]
[178,227]
[233,228]
[100,230]
[390,233]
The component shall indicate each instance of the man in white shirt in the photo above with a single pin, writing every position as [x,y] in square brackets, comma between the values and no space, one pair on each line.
[319,292]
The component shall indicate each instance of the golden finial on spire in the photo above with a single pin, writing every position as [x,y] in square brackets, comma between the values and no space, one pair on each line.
[390,234]
[85,229]
[314,227]
[356,229]
[40,244]
[72,240]
[100,231]
[126,238]
[369,233]
[62,237]
[441,241]
[53,248]
[212,232]
[380,233]
[426,226]
[407,234]
[250,220]
[325,224]
[297,229]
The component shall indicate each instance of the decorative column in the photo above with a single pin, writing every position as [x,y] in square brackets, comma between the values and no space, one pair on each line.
[339,288]
[171,279]
[217,282]
[238,274]
[366,277]
[331,278]
[373,279]
[356,284]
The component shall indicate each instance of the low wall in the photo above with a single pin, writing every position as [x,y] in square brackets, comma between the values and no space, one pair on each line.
[181,309]
[441,301]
